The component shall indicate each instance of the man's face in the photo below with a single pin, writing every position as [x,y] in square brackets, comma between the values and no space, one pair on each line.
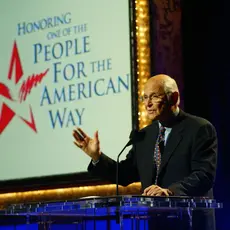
[155,101]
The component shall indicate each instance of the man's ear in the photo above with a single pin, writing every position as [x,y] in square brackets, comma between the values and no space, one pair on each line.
[173,99]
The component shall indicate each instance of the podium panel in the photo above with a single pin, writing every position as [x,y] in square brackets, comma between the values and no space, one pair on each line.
[118,212]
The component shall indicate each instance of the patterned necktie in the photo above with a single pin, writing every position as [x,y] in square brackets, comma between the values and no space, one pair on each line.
[157,150]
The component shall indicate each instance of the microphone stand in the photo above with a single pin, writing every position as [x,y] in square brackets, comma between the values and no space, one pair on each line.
[118,218]
[133,138]
[117,168]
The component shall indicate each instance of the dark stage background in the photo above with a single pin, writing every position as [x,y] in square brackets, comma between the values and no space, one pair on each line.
[190,41]
[206,50]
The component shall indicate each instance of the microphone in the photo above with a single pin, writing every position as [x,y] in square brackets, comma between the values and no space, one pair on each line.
[134,137]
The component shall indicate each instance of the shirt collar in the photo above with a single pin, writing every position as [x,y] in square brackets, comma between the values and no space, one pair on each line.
[167,129]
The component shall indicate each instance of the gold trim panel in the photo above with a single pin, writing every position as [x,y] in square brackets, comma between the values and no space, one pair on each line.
[66,193]
[143,54]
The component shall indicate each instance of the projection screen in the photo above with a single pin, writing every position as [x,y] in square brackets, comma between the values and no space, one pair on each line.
[64,64]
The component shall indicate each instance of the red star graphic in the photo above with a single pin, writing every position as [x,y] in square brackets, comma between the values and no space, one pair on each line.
[6,113]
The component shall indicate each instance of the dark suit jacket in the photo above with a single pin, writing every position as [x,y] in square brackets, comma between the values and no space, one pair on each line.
[188,163]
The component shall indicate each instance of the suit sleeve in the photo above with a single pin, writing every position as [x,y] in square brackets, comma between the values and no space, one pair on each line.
[106,169]
[203,164]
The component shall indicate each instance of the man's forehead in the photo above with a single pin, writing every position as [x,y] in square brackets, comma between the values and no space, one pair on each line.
[153,88]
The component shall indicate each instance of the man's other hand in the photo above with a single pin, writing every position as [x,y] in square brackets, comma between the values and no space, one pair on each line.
[155,190]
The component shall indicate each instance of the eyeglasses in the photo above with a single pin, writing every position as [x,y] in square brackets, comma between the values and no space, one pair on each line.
[153,97]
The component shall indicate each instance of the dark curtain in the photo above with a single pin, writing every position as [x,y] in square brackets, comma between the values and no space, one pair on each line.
[206,68]
[204,43]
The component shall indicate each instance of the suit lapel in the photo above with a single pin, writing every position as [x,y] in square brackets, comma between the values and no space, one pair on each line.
[173,141]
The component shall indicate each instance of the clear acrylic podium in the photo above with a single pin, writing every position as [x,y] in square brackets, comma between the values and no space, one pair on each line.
[114,212]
